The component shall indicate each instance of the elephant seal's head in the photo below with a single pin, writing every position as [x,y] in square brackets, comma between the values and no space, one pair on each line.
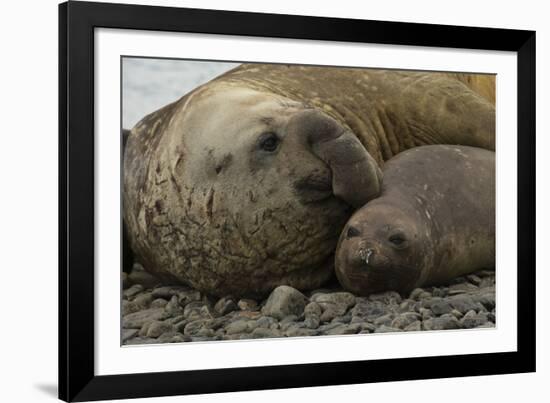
[249,190]
[383,247]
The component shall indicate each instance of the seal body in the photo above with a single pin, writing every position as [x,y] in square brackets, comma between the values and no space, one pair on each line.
[434,220]
[245,183]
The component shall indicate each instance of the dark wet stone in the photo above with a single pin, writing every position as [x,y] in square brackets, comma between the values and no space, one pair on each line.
[344,329]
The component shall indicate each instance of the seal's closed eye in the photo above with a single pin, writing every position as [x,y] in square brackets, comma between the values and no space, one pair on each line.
[398,240]
[352,232]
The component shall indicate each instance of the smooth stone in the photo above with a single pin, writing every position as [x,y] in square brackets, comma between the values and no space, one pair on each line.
[407,305]
[173,307]
[263,333]
[312,322]
[345,299]
[195,326]
[159,303]
[284,301]
[313,308]
[443,322]
[388,297]
[415,294]
[225,306]
[300,332]
[387,329]
[173,337]
[414,327]
[486,298]
[472,278]
[405,319]
[426,313]
[128,334]
[345,329]
[342,319]
[369,310]
[457,314]
[473,319]
[138,319]
[167,292]
[247,304]
[141,340]
[464,303]
[157,328]
[441,307]
[266,322]
[240,326]
[132,291]
[139,303]
[384,320]
[462,288]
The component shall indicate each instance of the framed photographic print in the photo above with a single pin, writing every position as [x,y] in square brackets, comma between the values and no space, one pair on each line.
[259,201]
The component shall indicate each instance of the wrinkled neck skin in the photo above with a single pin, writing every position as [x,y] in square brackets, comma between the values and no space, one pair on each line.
[390,111]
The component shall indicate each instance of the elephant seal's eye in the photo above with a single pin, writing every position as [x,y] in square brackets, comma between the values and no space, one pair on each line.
[398,240]
[269,142]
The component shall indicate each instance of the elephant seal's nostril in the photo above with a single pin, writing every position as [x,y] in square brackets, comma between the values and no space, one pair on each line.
[352,232]
[366,254]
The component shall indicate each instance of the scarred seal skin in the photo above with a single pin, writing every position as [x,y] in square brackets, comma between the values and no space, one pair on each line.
[245,183]
[434,220]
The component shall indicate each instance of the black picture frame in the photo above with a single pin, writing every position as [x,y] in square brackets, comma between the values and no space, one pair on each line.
[77,21]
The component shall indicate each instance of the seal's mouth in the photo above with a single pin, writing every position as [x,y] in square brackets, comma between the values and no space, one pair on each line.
[314,188]
[370,272]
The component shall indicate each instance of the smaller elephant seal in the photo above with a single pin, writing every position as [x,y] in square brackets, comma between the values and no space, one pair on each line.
[434,220]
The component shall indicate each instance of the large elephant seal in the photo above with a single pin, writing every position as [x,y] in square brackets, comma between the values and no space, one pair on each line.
[245,183]
[434,220]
